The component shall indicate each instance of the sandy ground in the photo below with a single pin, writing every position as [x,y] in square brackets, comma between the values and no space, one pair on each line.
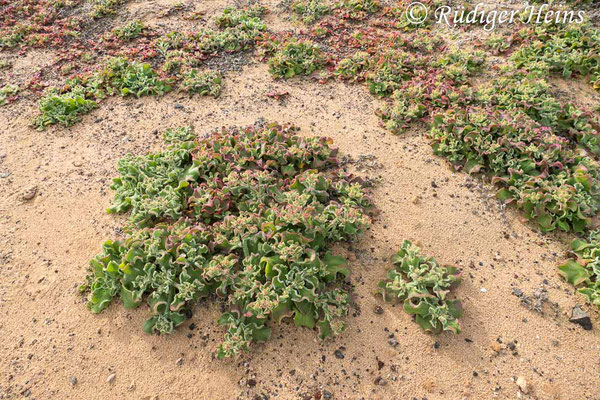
[52,347]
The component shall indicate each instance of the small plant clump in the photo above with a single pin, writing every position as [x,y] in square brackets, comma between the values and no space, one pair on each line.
[102,8]
[357,9]
[248,215]
[296,57]
[310,11]
[203,83]
[422,285]
[81,94]
[130,31]
[63,108]
[8,92]
[235,17]
[584,270]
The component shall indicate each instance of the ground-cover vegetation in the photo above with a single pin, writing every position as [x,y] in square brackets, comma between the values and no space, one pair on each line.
[103,8]
[48,23]
[248,215]
[538,150]
[130,31]
[583,271]
[422,286]
[37,23]
[356,9]
[178,55]
[293,58]
[571,50]
[81,95]
[310,11]
[7,93]
[541,152]
[203,83]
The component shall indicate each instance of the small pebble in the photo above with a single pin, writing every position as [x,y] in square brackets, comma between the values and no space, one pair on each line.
[30,193]
[523,385]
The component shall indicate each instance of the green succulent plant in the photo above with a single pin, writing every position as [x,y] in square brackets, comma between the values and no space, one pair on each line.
[64,109]
[554,186]
[246,214]
[357,9]
[422,285]
[7,91]
[310,11]
[130,31]
[203,83]
[296,58]
[584,270]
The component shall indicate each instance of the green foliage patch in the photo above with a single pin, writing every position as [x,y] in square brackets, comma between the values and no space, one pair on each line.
[130,31]
[8,92]
[82,94]
[556,187]
[245,214]
[296,57]
[357,9]
[203,83]
[235,17]
[64,109]
[310,11]
[102,8]
[422,285]
[584,271]
[571,50]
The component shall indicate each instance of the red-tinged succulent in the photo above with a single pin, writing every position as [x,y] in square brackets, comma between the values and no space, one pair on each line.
[247,214]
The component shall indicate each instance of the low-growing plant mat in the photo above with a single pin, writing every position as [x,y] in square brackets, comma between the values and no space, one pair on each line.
[462,225]
[53,347]
[246,214]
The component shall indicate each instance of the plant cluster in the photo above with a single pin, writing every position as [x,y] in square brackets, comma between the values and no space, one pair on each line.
[555,186]
[235,17]
[571,50]
[295,57]
[203,83]
[240,29]
[422,285]
[178,55]
[357,9]
[130,31]
[527,91]
[584,270]
[102,8]
[247,215]
[36,23]
[80,95]
[8,93]
[310,11]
